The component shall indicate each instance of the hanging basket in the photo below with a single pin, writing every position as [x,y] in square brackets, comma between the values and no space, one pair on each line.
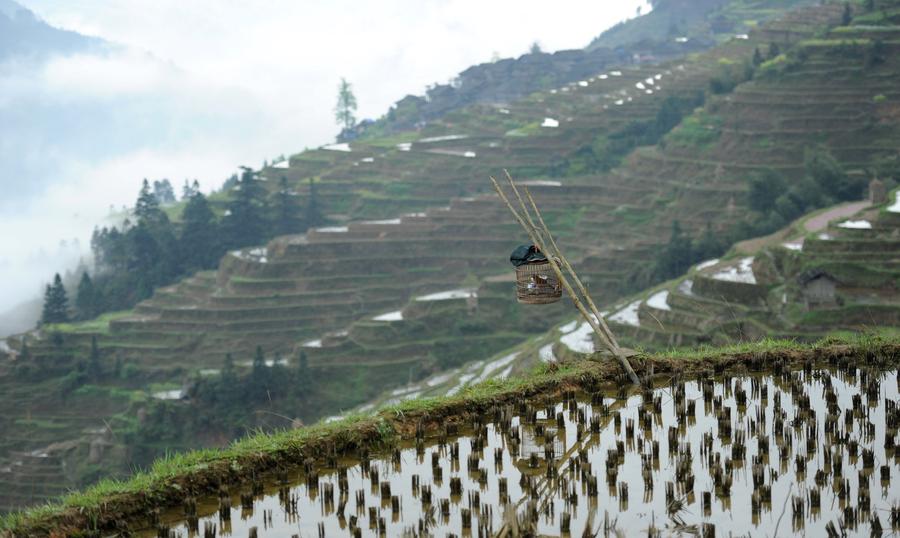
[536,283]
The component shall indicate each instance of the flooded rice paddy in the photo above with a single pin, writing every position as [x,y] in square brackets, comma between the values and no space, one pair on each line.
[807,452]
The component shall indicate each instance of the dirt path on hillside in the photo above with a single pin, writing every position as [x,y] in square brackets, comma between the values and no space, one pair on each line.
[819,222]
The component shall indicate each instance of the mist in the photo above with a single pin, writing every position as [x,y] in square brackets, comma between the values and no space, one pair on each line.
[192,90]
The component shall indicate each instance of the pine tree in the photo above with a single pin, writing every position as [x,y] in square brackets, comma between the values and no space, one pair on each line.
[86,299]
[164,192]
[146,208]
[676,257]
[245,222]
[287,220]
[303,377]
[56,302]
[847,16]
[757,57]
[199,243]
[344,111]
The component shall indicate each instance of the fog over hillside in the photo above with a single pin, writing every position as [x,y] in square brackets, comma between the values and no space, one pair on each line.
[95,96]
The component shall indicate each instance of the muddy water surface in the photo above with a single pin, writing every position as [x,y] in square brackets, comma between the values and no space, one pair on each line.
[805,453]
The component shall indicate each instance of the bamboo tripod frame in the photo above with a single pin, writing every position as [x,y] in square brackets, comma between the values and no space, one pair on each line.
[542,239]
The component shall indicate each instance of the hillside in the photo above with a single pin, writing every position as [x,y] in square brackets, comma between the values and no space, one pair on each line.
[350,308]
[673,29]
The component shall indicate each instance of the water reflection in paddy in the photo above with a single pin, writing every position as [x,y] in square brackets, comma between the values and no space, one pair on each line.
[803,452]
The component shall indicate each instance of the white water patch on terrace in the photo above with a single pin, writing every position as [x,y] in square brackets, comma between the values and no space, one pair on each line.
[552,91]
[742,272]
[546,353]
[550,122]
[650,80]
[895,207]
[648,92]
[333,229]
[396,315]
[583,83]
[313,343]
[794,245]
[503,110]
[206,372]
[415,215]
[742,36]
[640,86]
[174,394]
[825,236]
[681,39]
[469,154]
[443,138]
[628,315]
[338,147]
[659,301]
[615,73]
[540,183]
[404,146]
[382,222]
[604,77]
[462,293]
[581,340]
[493,366]
[569,327]
[440,379]
[283,164]
[268,362]
[686,287]
[856,225]
[463,381]
[368,160]
[620,102]
[407,389]
[4,347]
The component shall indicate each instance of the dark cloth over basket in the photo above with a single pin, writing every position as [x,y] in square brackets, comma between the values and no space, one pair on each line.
[536,283]
[526,254]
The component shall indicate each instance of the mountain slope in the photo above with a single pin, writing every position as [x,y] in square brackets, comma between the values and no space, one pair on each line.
[22,33]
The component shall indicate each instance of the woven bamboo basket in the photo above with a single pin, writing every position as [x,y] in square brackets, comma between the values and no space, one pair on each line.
[537,284]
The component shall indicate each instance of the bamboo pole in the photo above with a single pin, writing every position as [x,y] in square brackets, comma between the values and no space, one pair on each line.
[571,271]
[593,319]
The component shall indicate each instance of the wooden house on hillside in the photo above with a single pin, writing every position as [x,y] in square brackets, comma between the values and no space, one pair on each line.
[818,289]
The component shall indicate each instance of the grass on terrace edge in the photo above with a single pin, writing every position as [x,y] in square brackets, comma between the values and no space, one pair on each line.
[175,465]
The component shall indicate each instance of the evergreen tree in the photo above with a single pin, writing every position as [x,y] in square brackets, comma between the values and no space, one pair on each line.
[708,246]
[774,51]
[147,206]
[86,299]
[757,57]
[535,48]
[245,221]
[228,373]
[765,187]
[676,257]
[344,111]
[847,16]
[303,378]
[164,192]
[199,244]
[313,213]
[287,220]
[56,303]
